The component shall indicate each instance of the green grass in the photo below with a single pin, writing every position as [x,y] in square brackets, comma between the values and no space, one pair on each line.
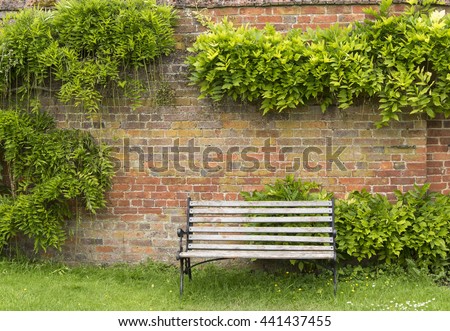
[152,286]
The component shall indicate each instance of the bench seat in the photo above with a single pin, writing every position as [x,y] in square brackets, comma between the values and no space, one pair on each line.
[289,230]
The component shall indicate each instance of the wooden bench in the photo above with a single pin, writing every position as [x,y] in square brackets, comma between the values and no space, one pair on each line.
[291,230]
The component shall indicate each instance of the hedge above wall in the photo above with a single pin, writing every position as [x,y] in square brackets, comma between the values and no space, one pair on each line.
[402,61]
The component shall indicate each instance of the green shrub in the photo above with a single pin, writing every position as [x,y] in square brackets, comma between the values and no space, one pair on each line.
[426,239]
[372,229]
[288,189]
[400,60]
[46,172]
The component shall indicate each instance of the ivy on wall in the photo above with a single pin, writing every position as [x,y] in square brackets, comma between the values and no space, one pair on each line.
[84,47]
[402,61]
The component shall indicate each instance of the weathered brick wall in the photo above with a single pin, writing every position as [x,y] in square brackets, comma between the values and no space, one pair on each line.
[211,151]
[438,154]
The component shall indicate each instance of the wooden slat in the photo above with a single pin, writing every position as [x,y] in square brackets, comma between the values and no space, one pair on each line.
[261,229]
[260,247]
[213,254]
[260,238]
[258,210]
[318,203]
[262,219]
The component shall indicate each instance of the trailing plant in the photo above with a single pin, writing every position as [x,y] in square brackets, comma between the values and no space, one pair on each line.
[46,172]
[401,60]
[84,45]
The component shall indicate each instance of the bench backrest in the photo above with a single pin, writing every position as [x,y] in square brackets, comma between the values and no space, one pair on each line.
[261,225]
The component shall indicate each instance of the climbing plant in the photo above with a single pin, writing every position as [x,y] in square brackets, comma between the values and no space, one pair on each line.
[45,174]
[81,49]
[402,61]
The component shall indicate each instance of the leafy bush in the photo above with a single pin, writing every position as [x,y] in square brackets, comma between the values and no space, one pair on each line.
[415,227]
[85,45]
[45,172]
[426,239]
[401,60]
[288,189]
[365,228]
[372,229]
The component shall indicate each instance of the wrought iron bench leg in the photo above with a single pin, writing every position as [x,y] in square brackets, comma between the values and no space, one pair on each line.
[189,269]
[181,276]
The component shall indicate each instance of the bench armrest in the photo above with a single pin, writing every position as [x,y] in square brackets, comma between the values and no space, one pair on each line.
[180,234]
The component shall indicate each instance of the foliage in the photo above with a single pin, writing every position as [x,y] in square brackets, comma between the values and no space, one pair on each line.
[288,189]
[401,60]
[415,227]
[45,172]
[372,229]
[85,45]
[426,238]
[365,228]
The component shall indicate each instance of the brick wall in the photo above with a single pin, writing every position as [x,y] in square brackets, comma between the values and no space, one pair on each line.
[215,151]
[438,154]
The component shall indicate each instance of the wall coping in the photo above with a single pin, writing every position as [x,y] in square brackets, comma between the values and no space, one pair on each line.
[262,3]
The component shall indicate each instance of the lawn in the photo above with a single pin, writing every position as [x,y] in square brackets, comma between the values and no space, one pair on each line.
[154,286]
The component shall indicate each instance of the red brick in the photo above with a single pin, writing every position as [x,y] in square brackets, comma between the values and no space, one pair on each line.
[137,195]
[402,181]
[436,149]
[208,188]
[291,10]
[376,181]
[351,180]
[269,19]
[384,188]
[121,187]
[339,9]
[105,249]
[415,166]
[351,18]
[255,11]
[124,180]
[435,171]
[125,210]
[445,141]
[316,10]
[441,156]
[414,173]
[225,11]
[163,195]
[439,133]
[435,124]
[435,164]
[437,187]
[389,173]
[324,19]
